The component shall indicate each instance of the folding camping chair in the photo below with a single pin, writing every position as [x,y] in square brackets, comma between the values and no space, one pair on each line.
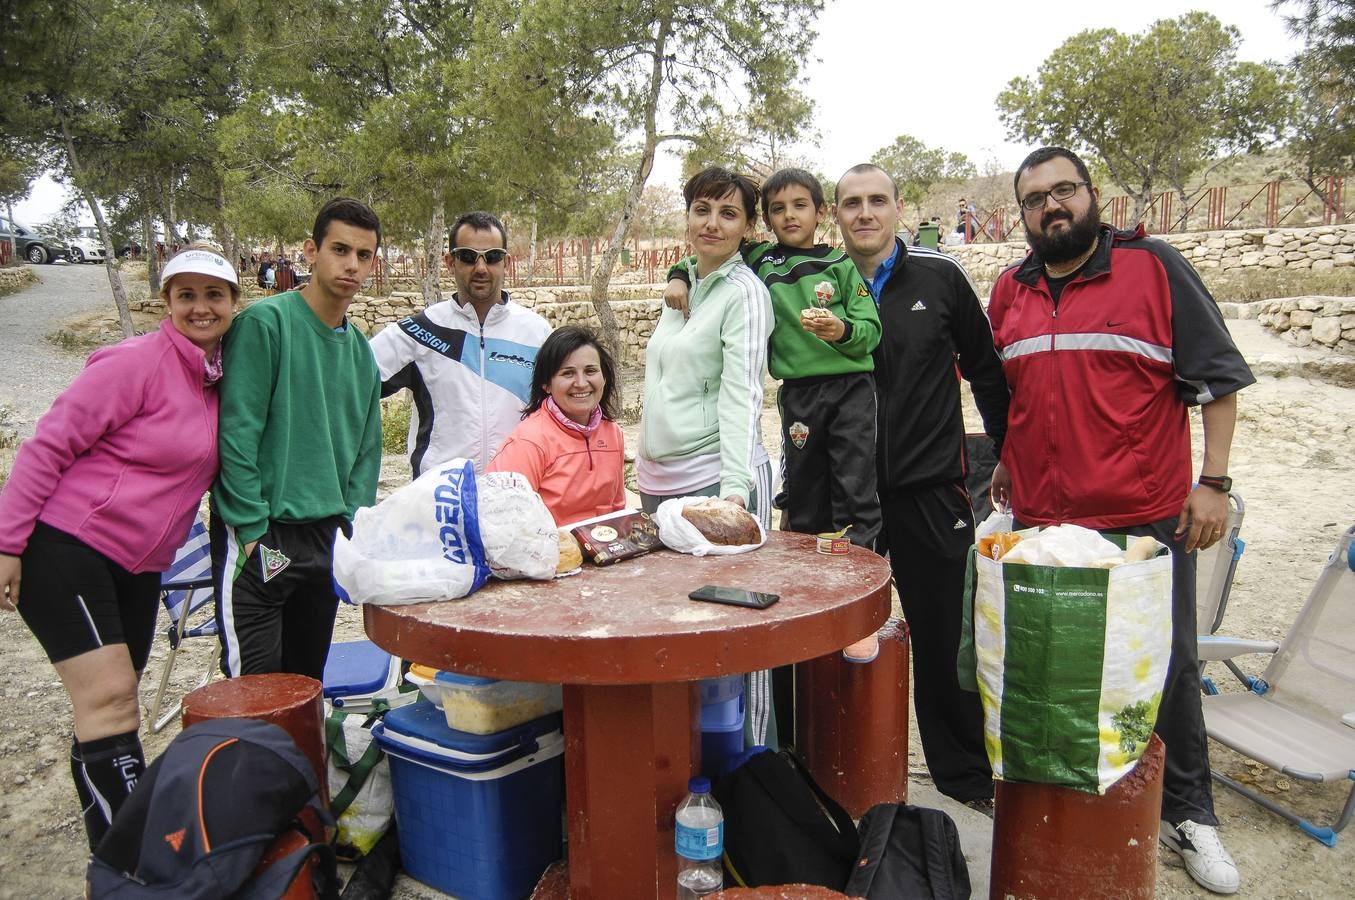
[1298,717]
[185,588]
[1215,568]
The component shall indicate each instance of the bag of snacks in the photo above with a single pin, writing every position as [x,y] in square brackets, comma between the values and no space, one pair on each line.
[1069,654]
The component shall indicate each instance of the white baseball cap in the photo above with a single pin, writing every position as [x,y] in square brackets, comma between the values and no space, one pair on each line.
[200,262]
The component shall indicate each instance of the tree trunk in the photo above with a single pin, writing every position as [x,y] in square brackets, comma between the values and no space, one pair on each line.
[432,255]
[110,260]
[167,213]
[531,253]
[152,258]
[602,275]
[229,245]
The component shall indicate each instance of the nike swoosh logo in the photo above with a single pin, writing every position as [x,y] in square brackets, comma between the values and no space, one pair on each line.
[1110,324]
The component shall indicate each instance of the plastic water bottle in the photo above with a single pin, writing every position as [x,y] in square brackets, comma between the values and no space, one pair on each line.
[700,841]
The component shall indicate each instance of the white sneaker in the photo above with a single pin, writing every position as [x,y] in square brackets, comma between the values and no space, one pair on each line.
[1202,853]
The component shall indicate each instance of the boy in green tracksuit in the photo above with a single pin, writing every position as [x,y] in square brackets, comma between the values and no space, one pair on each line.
[825,328]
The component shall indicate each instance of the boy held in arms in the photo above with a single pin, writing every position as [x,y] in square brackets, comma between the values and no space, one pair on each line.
[825,328]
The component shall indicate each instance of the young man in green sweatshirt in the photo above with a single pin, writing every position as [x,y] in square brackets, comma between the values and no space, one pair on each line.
[300,446]
[825,327]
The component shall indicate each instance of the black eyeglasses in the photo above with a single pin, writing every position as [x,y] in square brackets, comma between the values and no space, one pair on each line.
[1061,191]
[467,256]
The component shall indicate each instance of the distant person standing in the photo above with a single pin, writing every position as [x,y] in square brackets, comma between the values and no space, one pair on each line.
[966,219]
[285,277]
[467,360]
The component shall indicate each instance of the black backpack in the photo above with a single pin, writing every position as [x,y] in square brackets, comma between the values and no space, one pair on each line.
[205,812]
[780,826]
[908,851]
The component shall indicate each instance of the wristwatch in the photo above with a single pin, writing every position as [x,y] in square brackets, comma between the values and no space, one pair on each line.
[1217,482]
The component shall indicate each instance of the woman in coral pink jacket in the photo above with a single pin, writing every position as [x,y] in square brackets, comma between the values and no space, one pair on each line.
[568,443]
[99,500]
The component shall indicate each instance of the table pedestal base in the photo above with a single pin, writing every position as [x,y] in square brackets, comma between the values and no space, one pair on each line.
[629,752]
[851,725]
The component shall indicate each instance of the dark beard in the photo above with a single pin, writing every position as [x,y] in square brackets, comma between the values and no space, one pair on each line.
[1069,244]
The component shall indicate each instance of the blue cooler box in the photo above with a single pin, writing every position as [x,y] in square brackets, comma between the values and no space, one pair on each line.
[479,815]
[359,675]
[721,733]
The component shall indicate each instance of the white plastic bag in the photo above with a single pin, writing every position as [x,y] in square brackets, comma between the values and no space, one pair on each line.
[359,782]
[684,537]
[420,543]
[516,528]
[1065,545]
[998,521]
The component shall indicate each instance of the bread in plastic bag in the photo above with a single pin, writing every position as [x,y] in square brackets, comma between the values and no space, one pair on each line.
[516,528]
[681,535]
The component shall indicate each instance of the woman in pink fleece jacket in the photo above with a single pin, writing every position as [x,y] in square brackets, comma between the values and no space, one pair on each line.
[99,500]
[568,443]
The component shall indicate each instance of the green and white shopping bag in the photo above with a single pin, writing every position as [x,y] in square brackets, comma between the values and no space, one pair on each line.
[1070,663]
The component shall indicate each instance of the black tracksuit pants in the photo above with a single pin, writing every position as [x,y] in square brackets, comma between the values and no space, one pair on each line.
[928,533]
[828,448]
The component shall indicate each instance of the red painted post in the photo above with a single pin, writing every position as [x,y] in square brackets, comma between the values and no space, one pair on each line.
[851,723]
[1054,842]
[1272,204]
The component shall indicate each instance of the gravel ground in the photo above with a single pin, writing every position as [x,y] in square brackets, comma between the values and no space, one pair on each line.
[35,370]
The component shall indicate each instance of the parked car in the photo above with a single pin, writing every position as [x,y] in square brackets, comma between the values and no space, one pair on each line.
[87,246]
[30,244]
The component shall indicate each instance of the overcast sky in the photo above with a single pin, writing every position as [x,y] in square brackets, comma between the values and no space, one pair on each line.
[932,70]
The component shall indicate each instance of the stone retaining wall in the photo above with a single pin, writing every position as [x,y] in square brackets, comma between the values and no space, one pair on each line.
[1318,248]
[1312,321]
[12,278]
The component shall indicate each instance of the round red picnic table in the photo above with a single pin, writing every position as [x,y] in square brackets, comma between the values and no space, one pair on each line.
[627,643]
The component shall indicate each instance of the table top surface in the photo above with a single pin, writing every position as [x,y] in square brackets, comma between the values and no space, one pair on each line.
[633,623]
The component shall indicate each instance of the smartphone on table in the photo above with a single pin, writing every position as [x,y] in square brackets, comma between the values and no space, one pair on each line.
[734,596]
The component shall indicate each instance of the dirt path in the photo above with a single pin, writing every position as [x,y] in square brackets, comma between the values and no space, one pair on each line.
[1291,462]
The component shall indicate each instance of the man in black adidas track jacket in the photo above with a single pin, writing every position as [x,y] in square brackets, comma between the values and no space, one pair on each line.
[933,333]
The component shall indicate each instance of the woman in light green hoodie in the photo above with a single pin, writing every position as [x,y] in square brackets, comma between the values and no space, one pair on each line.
[701,431]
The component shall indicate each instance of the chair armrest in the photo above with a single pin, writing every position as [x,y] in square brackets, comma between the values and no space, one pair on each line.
[187,584]
[1218,648]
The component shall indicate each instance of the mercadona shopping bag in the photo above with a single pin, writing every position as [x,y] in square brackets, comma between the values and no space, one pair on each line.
[1070,663]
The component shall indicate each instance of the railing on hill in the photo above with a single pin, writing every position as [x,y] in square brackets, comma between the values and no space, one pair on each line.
[558,262]
[1274,204]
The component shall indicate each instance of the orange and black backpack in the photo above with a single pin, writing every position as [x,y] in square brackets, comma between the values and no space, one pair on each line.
[207,811]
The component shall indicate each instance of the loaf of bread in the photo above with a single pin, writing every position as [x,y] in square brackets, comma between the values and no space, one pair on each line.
[571,555]
[722,522]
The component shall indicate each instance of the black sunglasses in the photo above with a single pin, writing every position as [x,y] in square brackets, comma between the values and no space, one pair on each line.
[469,257]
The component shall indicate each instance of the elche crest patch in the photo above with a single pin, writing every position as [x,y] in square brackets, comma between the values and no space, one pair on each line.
[799,433]
[273,562]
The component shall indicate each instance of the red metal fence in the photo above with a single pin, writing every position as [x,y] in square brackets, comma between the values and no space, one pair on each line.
[1274,204]
[558,262]
[6,252]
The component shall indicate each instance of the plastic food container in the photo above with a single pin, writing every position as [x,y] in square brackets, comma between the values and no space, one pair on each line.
[486,705]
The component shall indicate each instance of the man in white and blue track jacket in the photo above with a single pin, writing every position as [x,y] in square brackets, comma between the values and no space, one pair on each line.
[467,360]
